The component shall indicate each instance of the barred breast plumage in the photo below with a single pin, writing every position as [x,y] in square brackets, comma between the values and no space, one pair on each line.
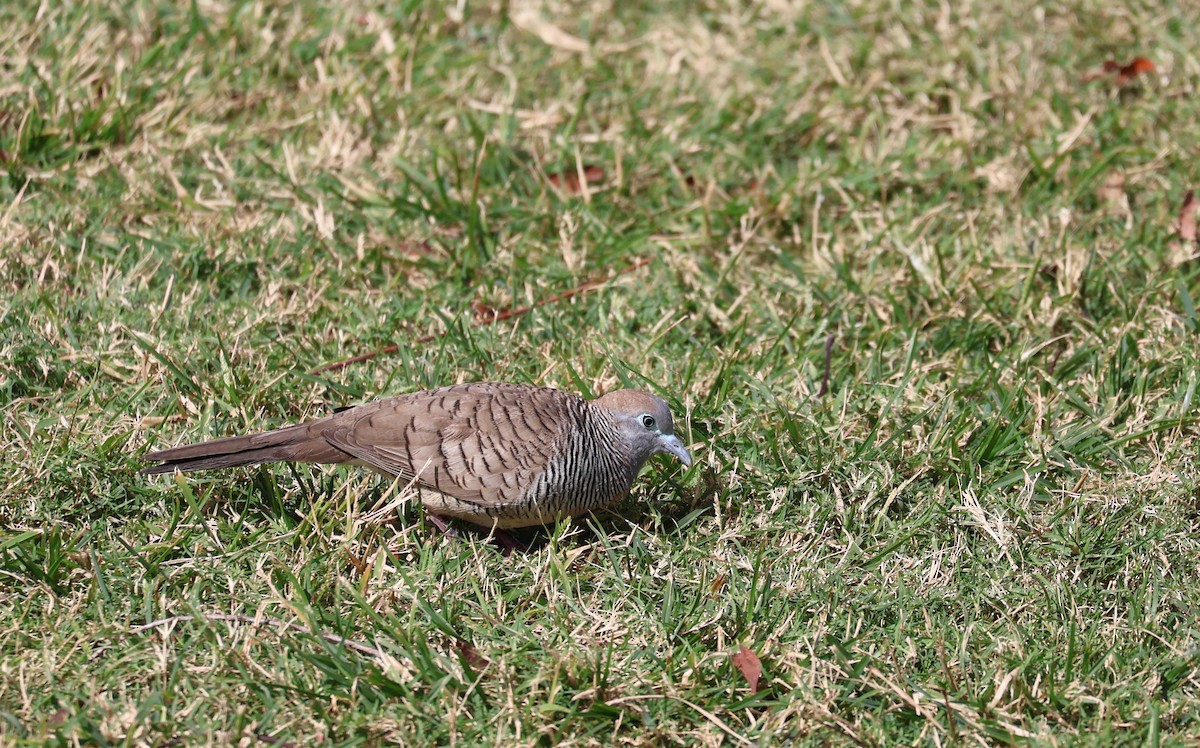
[502,455]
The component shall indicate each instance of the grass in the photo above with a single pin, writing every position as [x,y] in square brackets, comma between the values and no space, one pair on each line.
[983,532]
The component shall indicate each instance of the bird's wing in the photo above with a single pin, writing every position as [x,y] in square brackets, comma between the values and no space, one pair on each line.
[480,443]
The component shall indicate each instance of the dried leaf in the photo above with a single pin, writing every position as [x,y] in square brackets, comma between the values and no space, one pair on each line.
[1187,217]
[568,181]
[485,312]
[719,583]
[1122,73]
[748,664]
[1183,252]
[1136,67]
[1111,193]
[82,560]
[471,655]
[359,564]
[412,249]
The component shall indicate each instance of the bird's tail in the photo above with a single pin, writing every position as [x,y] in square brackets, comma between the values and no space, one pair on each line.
[296,443]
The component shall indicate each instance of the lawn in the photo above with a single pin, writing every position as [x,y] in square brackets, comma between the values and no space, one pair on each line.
[915,278]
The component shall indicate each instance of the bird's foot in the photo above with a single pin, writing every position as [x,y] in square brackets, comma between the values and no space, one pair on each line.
[442,524]
[500,538]
[506,542]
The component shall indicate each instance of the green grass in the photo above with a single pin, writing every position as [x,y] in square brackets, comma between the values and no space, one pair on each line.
[985,532]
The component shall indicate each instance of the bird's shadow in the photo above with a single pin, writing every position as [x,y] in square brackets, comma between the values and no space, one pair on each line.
[671,517]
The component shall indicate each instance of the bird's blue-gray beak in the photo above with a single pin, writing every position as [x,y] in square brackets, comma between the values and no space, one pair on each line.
[671,444]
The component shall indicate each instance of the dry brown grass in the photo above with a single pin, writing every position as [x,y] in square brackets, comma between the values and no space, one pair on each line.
[984,533]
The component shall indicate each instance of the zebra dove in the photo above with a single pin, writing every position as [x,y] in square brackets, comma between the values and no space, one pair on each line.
[497,455]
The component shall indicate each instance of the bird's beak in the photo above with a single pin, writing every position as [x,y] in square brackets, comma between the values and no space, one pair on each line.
[671,444]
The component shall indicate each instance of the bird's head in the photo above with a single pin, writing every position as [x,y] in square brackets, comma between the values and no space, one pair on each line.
[646,423]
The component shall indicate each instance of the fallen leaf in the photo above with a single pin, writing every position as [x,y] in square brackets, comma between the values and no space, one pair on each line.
[1111,192]
[82,560]
[1122,73]
[748,664]
[1184,251]
[485,312]
[719,583]
[359,564]
[1136,67]
[1187,217]
[568,181]
[414,250]
[471,655]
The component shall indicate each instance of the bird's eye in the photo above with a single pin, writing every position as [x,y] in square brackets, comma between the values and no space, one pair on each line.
[648,421]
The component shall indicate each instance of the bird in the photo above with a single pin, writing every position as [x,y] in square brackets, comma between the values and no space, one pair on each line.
[494,454]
